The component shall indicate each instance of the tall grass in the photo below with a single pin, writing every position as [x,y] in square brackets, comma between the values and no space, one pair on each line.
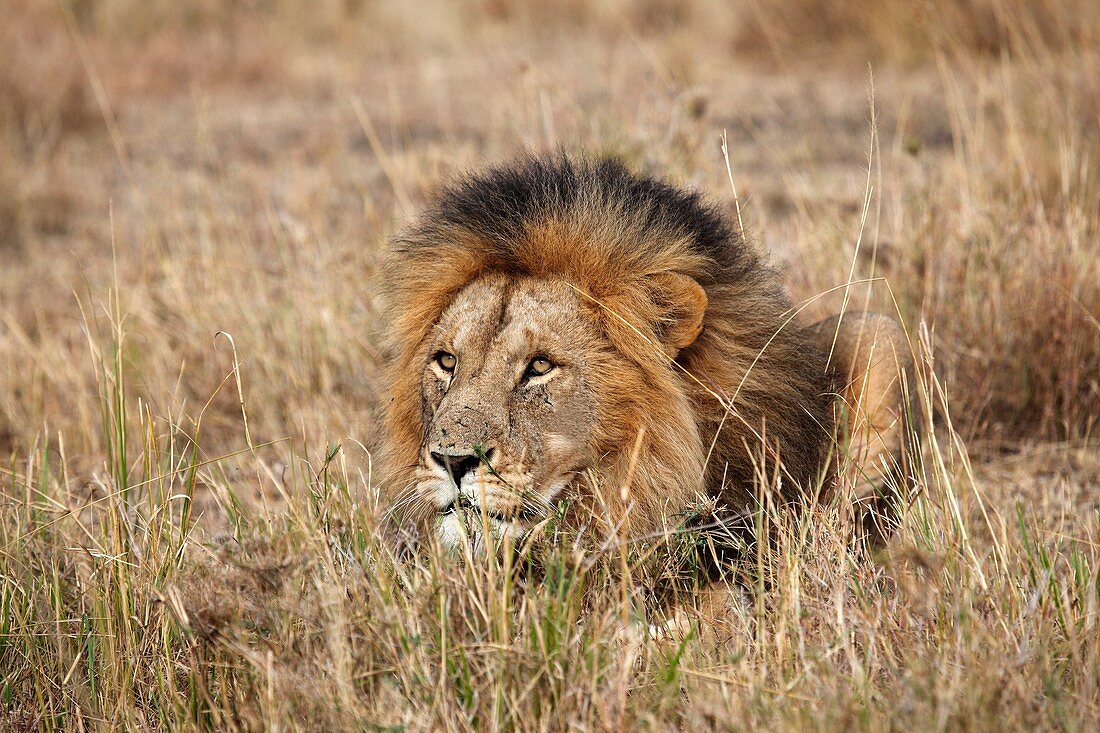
[115,616]
[189,528]
[995,244]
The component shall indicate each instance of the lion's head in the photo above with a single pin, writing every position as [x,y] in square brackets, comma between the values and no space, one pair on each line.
[571,330]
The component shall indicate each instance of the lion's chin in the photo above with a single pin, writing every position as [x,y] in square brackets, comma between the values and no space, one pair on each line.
[466,529]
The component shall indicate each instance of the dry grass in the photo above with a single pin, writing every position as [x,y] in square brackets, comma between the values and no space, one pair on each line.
[912,33]
[187,522]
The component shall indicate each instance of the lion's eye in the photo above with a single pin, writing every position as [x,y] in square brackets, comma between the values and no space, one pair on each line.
[539,366]
[446,361]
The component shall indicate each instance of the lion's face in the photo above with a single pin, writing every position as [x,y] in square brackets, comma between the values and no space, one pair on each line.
[510,394]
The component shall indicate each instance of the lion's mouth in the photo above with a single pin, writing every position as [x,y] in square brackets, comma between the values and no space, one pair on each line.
[468,508]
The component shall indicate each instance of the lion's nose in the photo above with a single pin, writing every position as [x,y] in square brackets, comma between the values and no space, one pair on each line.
[459,464]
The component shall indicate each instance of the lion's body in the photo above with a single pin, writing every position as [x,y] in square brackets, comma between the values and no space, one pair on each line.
[678,370]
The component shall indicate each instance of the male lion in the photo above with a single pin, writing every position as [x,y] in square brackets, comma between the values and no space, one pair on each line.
[567,329]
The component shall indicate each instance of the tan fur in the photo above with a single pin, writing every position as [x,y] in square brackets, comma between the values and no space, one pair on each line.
[873,354]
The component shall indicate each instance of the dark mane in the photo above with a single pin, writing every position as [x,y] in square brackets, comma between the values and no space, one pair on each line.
[497,204]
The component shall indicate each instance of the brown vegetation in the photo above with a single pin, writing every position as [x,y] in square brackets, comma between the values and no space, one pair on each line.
[193,198]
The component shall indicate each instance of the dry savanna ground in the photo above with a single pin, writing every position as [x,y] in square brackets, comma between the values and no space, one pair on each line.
[193,201]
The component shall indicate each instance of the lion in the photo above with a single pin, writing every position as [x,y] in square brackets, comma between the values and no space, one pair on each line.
[565,330]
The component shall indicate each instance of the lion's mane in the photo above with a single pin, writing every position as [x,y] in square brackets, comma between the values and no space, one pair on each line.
[758,389]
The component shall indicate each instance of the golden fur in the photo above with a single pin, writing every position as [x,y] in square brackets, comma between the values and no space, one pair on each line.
[682,372]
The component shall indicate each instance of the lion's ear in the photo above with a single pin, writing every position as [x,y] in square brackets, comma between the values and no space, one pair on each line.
[682,303]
